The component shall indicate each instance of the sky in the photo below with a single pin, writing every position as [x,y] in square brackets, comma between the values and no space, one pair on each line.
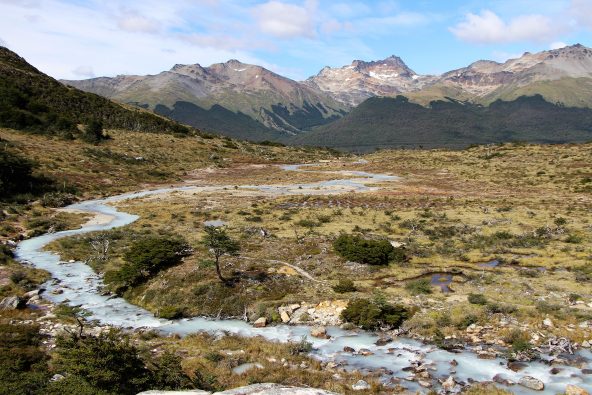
[78,39]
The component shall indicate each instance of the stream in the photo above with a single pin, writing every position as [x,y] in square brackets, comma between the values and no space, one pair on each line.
[81,286]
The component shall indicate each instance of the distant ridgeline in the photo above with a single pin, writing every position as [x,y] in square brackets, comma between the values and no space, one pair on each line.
[397,122]
[35,102]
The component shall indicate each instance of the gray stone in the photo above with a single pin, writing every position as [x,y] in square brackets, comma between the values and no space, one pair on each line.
[575,390]
[12,303]
[319,331]
[274,389]
[532,383]
[361,385]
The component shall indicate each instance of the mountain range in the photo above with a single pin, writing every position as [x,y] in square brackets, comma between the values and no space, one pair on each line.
[542,97]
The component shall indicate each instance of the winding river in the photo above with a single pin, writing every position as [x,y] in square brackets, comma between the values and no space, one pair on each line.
[81,286]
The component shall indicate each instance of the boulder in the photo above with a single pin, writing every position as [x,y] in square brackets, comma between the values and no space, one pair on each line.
[449,384]
[586,344]
[361,385]
[319,332]
[33,293]
[383,341]
[575,390]
[261,322]
[348,349]
[12,303]
[365,352]
[285,317]
[532,383]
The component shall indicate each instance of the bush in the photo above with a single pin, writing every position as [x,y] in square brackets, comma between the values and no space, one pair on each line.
[477,299]
[108,362]
[344,285]
[301,347]
[519,340]
[147,257]
[371,315]
[371,252]
[418,287]
[170,312]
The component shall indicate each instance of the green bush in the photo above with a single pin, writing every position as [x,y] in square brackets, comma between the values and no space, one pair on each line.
[146,257]
[477,299]
[420,286]
[371,315]
[170,312]
[344,285]
[371,252]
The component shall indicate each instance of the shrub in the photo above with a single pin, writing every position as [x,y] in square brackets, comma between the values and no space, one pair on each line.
[477,299]
[418,287]
[519,340]
[371,252]
[344,285]
[147,257]
[371,315]
[301,347]
[108,362]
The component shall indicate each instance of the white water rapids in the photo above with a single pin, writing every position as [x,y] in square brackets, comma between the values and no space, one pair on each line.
[81,286]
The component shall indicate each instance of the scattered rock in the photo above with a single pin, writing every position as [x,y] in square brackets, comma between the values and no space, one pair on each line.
[449,384]
[260,323]
[532,383]
[555,370]
[361,385]
[575,390]
[548,323]
[12,303]
[285,317]
[499,379]
[586,344]
[383,341]
[319,332]
[425,384]
[365,352]
[516,366]
[348,349]
[33,293]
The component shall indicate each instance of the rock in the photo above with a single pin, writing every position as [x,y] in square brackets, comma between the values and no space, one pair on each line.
[555,370]
[34,299]
[186,392]
[348,349]
[319,332]
[454,362]
[425,384]
[383,341]
[499,379]
[586,371]
[57,377]
[365,352]
[12,303]
[532,383]
[449,384]
[548,323]
[57,291]
[33,293]
[260,323]
[516,366]
[285,317]
[586,344]
[575,390]
[361,385]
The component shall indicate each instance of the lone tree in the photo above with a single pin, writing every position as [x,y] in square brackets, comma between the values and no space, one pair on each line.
[219,244]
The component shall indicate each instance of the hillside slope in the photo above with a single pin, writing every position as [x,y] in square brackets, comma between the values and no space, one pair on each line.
[397,122]
[31,100]
[220,97]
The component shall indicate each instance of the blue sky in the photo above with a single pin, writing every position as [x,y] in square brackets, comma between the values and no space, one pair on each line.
[84,38]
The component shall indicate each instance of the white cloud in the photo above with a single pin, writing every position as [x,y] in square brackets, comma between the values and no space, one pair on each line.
[557,45]
[285,20]
[489,28]
[84,71]
[134,22]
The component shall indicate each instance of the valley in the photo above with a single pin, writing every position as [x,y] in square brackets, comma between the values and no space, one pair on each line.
[229,230]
